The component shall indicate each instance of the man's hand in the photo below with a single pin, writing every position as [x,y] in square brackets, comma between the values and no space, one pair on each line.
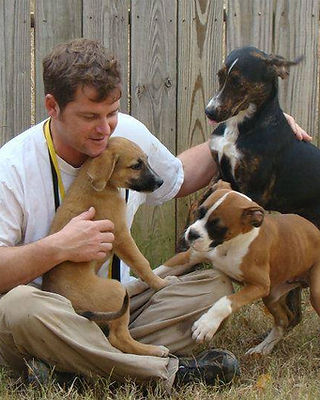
[297,130]
[83,239]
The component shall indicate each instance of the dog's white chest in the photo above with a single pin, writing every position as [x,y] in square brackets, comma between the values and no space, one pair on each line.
[226,146]
[228,256]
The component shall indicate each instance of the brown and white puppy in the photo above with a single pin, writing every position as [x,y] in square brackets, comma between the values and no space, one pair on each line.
[268,254]
[122,165]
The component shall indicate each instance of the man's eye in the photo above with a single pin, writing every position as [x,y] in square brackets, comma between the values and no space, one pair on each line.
[138,165]
[89,117]
[113,114]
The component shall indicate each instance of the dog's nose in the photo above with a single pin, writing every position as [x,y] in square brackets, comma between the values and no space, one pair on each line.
[212,111]
[159,181]
[192,235]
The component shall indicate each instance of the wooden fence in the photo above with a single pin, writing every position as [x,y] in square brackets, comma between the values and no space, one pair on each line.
[170,51]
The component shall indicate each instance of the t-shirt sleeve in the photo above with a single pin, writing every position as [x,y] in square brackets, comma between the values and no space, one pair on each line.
[11,215]
[169,168]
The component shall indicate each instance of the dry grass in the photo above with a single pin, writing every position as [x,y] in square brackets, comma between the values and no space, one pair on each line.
[291,372]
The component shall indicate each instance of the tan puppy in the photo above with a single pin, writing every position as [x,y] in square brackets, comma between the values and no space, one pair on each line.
[269,254]
[122,165]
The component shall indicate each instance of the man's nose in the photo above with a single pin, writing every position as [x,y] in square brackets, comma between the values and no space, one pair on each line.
[103,127]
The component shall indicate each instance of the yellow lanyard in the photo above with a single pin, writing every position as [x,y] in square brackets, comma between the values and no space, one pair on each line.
[53,157]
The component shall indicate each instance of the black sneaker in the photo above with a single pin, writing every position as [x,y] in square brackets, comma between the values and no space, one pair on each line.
[40,374]
[211,367]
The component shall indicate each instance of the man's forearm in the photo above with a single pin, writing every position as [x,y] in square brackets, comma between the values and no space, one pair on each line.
[199,168]
[22,264]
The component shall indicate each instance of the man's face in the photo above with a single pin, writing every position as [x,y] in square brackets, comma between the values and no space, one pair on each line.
[84,126]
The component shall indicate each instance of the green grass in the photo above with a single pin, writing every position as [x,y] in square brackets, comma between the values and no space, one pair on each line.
[290,372]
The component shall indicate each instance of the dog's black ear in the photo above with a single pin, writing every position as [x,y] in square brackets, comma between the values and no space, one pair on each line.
[101,169]
[253,215]
[281,65]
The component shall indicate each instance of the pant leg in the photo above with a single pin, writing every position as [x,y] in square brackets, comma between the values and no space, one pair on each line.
[44,325]
[166,317]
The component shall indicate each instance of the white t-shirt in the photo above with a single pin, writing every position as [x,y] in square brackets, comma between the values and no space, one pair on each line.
[26,188]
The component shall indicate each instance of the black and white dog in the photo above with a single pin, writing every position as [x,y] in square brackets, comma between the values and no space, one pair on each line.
[254,146]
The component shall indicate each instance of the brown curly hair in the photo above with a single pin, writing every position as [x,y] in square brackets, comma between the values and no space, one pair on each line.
[79,62]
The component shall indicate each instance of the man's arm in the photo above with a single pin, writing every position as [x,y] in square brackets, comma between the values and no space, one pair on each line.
[199,168]
[80,240]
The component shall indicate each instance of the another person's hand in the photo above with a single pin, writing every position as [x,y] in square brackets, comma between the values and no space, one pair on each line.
[300,133]
[83,239]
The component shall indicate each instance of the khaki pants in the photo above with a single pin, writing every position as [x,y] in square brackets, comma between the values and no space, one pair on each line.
[34,323]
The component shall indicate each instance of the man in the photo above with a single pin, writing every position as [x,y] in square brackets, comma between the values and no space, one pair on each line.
[82,96]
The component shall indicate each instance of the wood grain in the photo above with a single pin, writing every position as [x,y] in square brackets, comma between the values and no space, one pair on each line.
[153,102]
[201,48]
[249,22]
[297,28]
[15,68]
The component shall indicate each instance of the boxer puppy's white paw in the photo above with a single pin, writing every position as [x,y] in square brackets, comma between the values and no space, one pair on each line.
[204,328]
[259,350]
[208,324]
[266,347]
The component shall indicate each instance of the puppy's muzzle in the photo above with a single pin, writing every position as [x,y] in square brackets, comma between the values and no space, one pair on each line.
[216,113]
[192,235]
[153,179]
[148,181]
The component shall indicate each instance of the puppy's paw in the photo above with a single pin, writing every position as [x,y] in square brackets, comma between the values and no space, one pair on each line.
[258,351]
[204,329]
[167,281]
[171,280]
[162,351]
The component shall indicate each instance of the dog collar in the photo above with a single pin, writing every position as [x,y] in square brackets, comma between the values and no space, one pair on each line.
[58,188]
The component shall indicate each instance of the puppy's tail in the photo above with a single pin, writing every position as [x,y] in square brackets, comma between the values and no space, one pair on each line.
[98,316]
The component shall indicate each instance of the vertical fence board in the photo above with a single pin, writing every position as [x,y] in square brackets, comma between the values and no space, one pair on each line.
[55,22]
[153,101]
[15,66]
[201,46]
[108,22]
[297,33]
[249,22]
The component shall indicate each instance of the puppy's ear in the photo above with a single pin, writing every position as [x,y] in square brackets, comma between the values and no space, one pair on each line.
[221,185]
[253,215]
[281,65]
[101,169]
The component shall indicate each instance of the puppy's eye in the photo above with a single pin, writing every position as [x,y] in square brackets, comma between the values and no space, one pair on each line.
[137,165]
[235,81]
[201,212]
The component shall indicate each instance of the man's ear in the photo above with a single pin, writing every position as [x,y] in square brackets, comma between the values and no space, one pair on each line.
[281,65]
[51,105]
[101,169]
[253,215]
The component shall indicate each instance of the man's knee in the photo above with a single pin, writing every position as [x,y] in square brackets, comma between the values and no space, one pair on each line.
[25,303]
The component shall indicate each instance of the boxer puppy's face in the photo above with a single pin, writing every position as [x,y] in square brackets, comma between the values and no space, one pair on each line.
[223,216]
